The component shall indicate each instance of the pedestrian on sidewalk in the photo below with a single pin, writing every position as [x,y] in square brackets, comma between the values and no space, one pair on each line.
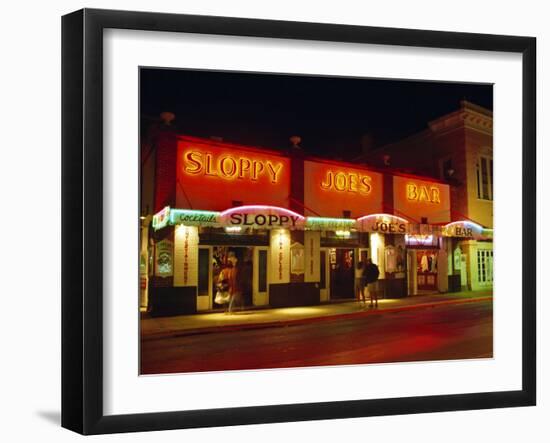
[236,282]
[371,274]
[360,282]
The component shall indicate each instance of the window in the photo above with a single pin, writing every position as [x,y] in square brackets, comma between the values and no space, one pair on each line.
[446,168]
[485,266]
[484,172]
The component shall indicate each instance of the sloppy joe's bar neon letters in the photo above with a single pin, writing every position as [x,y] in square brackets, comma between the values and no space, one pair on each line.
[422,193]
[263,219]
[347,182]
[229,167]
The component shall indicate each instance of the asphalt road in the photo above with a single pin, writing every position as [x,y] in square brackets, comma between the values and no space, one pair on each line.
[446,332]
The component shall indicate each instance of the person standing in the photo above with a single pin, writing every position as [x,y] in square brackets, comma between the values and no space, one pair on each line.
[371,276]
[360,282]
[236,283]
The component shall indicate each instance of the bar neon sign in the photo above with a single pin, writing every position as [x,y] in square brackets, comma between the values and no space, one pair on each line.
[423,193]
[464,228]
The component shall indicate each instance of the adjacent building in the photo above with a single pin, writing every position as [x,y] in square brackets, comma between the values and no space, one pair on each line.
[458,149]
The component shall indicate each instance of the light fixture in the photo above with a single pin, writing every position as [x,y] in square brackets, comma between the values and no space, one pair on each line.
[233,229]
[343,234]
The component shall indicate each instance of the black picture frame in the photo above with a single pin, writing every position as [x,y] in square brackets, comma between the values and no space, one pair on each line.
[82,190]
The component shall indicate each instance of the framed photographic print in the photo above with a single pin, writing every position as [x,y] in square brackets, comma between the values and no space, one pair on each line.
[269,221]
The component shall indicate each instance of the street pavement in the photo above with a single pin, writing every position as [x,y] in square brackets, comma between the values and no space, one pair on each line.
[441,331]
[154,328]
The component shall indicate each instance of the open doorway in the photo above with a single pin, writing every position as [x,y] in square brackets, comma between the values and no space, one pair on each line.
[222,267]
[426,269]
[342,270]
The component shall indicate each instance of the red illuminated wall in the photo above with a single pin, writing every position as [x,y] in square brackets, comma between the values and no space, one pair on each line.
[213,175]
[415,198]
[165,175]
[331,188]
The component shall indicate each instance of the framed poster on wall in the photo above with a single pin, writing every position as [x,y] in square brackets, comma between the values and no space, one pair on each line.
[177,139]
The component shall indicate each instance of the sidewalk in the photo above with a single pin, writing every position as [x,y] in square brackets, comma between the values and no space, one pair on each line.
[153,328]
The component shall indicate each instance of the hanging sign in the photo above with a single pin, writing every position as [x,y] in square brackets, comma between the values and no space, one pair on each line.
[190,217]
[383,223]
[427,240]
[262,217]
[464,229]
[161,218]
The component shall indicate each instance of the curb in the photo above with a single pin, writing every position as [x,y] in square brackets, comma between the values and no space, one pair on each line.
[304,321]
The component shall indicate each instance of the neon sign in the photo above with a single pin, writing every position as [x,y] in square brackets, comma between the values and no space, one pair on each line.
[421,240]
[230,167]
[423,193]
[463,229]
[192,217]
[329,224]
[347,182]
[262,217]
[385,223]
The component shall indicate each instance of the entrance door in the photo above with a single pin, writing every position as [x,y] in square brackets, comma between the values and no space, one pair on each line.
[485,267]
[342,273]
[426,269]
[222,268]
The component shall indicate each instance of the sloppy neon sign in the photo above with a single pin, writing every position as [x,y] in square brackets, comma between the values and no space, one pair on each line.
[347,182]
[260,216]
[230,167]
[423,193]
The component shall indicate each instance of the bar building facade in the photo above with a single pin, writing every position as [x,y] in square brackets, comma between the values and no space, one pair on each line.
[298,225]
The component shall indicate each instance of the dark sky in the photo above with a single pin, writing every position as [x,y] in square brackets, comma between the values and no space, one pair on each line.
[329,113]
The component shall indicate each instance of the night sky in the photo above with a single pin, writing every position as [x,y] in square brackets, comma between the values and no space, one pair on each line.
[330,114]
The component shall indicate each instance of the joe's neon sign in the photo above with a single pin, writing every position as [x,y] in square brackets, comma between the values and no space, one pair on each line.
[230,167]
[347,182]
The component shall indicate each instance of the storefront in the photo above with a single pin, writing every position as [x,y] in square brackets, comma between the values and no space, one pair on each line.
[296,226]
[287,259]
[470,255]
